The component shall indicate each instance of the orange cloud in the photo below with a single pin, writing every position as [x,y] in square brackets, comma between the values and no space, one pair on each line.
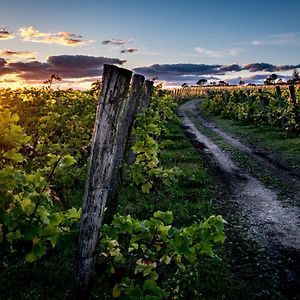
[6,35]
[31,34]
[18,54]
[69,67]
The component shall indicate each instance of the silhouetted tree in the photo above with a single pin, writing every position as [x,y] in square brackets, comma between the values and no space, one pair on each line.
[271,79]
[296,77]
[97,86]
[242,82]
[51,79]
[280,81]
[201,81]
[185,85]
[268,81]
[222,83]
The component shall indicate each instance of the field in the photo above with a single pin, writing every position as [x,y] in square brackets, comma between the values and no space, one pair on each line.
[195,160]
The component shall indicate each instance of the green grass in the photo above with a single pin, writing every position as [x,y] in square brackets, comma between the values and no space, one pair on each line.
[189,197]
[284,147]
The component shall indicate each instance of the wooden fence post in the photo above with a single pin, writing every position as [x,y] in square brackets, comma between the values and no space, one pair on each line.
[294,103]
[101,168]
[280,104]
[144,104]
[146,96]
[262,100]
[123,136]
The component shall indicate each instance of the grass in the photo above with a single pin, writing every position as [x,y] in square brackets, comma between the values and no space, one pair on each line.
[285,147]
[189,197]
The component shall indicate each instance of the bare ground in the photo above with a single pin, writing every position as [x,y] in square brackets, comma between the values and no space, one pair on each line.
[275,224]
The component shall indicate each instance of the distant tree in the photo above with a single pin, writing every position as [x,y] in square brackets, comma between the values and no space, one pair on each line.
[296,77]
[242,82]
[222,83]
[271,79]
[96,86]
[280,81]
[213,83]
[185,85]
[51,79]
[201,81]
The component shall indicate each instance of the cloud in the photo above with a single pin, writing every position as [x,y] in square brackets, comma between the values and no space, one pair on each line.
[174,74]
[218,53]
[18,54]
[179,72]
[166,70]
[66,66]
[6,35]
[231,68]
[284,39]
[70,39]
[129,50]
[117,42]
[76,69]
[255,67]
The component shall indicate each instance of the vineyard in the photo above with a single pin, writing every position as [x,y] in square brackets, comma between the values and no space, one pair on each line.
[162,236]
[271,107]
[45,144]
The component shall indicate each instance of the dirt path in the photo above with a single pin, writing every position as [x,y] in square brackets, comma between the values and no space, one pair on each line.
[275,224]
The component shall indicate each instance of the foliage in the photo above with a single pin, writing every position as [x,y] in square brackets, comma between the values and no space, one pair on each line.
[148,252]
[256,107]
[45,138]
[149,125]
[44,135]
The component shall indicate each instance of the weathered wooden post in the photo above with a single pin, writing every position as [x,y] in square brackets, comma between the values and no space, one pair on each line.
[280,104]
[146,96]
[294,103]
[143,105]
[262,100]
[123,136]
[101,172]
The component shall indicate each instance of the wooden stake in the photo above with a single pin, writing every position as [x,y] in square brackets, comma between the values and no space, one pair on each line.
[101,172]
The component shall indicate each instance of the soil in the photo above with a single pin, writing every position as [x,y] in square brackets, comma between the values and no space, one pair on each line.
[273,223]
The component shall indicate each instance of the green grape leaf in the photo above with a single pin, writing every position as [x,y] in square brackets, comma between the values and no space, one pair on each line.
[73,213]
[146,187]
[67,161]
[14,155]
[38,250]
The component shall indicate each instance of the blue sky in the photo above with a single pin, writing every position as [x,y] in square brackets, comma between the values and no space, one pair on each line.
[147,32]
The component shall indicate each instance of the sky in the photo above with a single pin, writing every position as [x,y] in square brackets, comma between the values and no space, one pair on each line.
[176,41]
